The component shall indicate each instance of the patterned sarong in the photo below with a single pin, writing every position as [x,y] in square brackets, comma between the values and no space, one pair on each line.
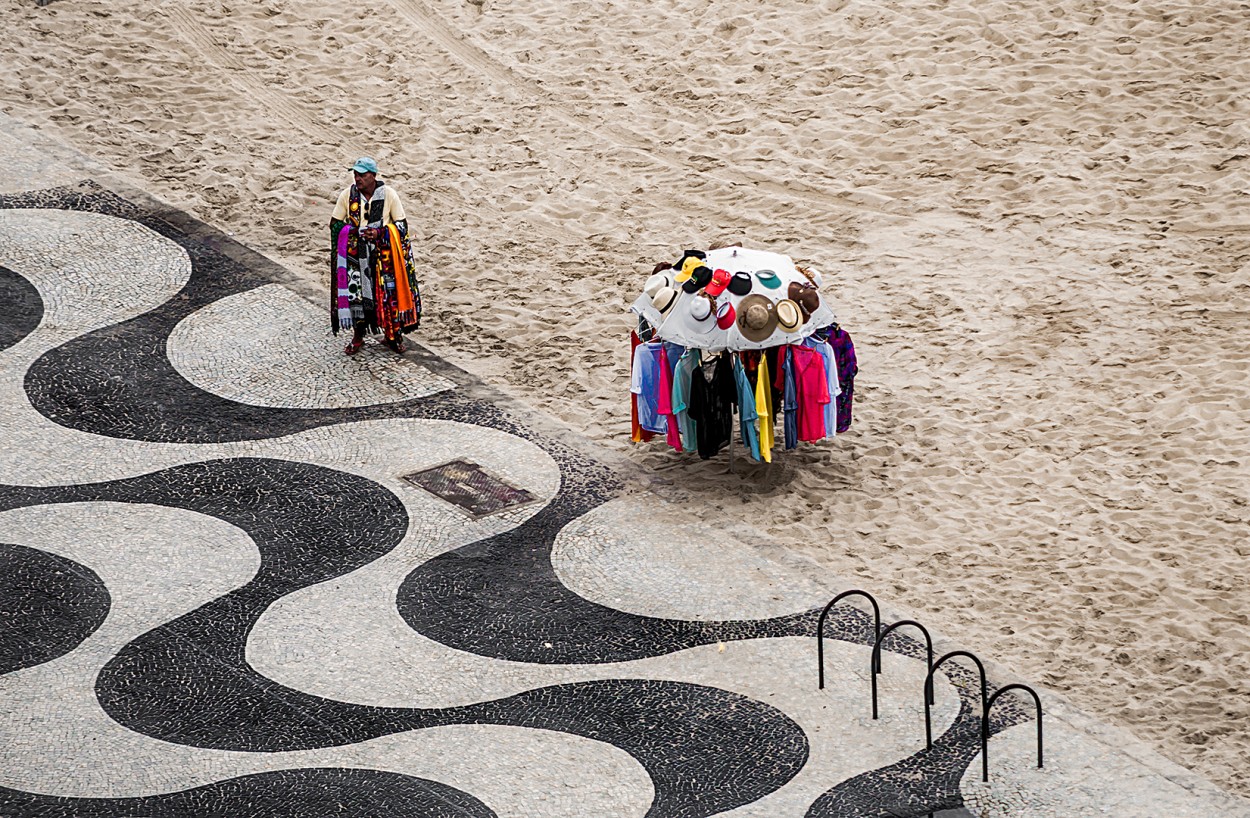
[342,298]
[395,283]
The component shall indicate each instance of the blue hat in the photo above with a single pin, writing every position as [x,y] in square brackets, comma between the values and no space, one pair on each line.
[365,165]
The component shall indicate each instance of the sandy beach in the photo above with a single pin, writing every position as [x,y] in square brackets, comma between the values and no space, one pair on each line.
[1032,219]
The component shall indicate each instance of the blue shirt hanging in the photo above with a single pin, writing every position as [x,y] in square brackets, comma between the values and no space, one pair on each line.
[746,411]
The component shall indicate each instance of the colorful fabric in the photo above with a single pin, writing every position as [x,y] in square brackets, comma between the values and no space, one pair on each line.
[636,432]
[361,214]
[645,384]
[342,280]
[812,388]
[395,283]
[831,373]
[673,352]
[664,402]
[403,288]
[381,281]
[848,368]
[682,378]
[776,361]
[747,415]
[790,398]
[764,410]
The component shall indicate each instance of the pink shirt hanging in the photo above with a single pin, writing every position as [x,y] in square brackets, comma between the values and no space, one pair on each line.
[812,381]
[665,403]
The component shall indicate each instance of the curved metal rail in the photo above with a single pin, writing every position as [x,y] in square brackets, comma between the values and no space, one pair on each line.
[985,726]
[820,627]
[875,667]
[928,692]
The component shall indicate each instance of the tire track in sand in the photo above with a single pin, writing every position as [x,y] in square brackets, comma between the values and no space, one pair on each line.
[432,26]
[192,31]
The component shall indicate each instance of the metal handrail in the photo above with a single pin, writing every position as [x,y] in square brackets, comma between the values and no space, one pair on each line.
[928,691]
[820,627]
[875,664]
[985,727]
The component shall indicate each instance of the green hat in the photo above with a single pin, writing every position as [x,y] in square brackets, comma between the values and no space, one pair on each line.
[768,278]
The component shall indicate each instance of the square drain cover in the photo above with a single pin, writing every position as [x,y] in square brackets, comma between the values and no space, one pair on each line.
[472,488]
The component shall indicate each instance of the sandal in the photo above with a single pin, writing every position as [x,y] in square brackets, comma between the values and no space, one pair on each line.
[354,346]
[397,345]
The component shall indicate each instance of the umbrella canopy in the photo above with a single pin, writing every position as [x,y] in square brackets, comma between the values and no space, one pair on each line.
[711,322]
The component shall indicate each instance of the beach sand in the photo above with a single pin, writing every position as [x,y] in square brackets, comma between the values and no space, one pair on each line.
[1031,217]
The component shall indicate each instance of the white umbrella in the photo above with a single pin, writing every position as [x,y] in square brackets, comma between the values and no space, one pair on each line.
[678,326]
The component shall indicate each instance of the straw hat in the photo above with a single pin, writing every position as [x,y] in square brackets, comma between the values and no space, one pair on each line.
[655,282]
[664,299]
[757,317]
[789,316]
[812,274]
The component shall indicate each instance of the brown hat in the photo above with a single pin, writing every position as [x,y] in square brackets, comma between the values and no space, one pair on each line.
[757,317]
[806,296]
[789,316]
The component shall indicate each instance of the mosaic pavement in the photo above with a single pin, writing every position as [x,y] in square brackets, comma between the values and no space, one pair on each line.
[247,575]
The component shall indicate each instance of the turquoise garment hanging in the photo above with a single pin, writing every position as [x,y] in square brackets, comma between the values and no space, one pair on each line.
[746,410]
[682,375]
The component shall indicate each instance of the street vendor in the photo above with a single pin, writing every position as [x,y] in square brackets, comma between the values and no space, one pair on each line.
[373,278]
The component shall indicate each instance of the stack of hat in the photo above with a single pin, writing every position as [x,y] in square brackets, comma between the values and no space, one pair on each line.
[659,288]
[733,298]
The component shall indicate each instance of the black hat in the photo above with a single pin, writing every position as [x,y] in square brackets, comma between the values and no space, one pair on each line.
[699,254]
[700,277]
[740,284]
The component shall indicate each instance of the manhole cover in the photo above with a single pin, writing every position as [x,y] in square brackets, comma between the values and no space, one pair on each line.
[472,488]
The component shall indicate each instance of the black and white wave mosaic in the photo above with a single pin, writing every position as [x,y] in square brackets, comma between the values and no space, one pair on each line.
[23,308]
[296,484]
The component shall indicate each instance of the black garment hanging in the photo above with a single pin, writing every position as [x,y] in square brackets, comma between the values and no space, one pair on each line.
[773,354]
[713,395]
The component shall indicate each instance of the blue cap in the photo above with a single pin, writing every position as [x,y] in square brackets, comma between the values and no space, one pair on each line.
[365,165]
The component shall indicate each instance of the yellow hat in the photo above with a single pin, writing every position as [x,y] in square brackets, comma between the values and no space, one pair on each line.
[687,267]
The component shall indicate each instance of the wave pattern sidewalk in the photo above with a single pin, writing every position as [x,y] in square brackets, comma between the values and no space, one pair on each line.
[245,574]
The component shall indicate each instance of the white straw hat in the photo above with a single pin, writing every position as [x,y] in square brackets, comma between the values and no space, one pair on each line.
[655,282]
[664,299]
[789,316]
